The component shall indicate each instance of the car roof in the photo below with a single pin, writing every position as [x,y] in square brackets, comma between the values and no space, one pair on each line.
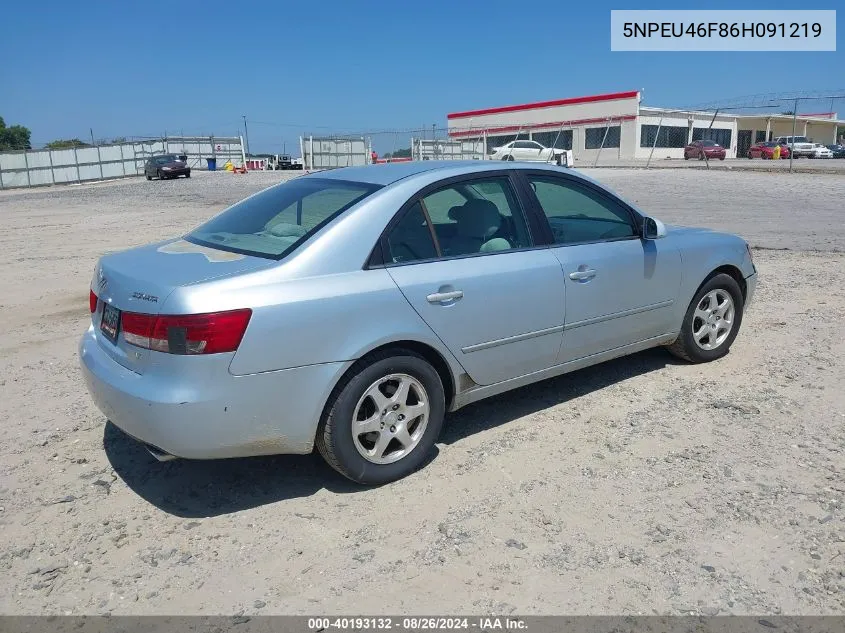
[388,173]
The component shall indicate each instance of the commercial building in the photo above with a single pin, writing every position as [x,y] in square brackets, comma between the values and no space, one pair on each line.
[618,124]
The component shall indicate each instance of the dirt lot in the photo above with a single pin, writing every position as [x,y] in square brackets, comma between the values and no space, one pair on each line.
[639,486]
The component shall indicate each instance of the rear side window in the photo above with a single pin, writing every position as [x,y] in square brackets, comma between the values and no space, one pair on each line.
[274,222]
[410,240]
[577,214]
[467,218]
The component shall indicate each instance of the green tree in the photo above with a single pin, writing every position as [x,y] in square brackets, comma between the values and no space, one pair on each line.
[69,143]
[15,137]
[399,153]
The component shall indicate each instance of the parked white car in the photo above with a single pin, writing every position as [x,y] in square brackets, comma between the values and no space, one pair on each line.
[798,145]
[528,151]
[820,151]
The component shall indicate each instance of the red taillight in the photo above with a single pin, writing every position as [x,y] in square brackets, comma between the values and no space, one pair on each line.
[92,301]
[210,333]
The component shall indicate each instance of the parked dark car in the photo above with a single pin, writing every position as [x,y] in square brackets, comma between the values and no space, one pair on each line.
[166,166]
[838,150]
[766,151]
[704,149]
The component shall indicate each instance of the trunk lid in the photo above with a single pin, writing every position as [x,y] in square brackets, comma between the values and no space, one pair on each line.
[140,279]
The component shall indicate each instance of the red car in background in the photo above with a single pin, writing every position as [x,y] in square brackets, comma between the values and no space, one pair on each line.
[767,150]
[704,149]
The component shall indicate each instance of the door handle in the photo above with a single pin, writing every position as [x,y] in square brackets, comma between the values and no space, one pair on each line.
[443,297]
[582,275]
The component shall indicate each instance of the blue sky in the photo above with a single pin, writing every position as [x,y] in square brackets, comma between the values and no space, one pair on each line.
[146,67]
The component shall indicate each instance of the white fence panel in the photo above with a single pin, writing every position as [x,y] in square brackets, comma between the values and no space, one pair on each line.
[40,177]
[65,174]
[15,179]
[333,152]
[38,159]
[447,149]
[16,160]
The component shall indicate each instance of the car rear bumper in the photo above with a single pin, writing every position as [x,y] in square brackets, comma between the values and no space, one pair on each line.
[208,413]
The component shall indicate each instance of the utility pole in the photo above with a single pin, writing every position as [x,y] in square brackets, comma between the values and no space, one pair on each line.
[90,129]
[246,134]
[792,149]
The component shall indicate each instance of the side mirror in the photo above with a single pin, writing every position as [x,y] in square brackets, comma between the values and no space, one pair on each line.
[653,229]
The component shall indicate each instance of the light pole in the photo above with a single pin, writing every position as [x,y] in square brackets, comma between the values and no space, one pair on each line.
[246,134]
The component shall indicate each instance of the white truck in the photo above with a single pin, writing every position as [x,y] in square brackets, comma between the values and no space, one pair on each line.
[798,145]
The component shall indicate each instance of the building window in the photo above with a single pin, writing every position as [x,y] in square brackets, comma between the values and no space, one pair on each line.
[722,137]
[558,139]
[498,141]
[760,137]
[666,135]
[594,136]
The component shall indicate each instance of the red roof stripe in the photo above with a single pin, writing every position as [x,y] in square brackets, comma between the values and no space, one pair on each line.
[536,126]
[816,114]
[545,104]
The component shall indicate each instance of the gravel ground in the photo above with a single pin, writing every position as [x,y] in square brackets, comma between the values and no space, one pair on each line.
[643,485]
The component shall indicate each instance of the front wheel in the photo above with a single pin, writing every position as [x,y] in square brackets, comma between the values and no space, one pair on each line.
[383,418]
[712,321]
[187,174]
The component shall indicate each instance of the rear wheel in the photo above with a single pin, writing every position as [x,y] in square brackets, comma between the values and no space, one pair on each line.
[712,321]
[700,155]
[382,418]
[187,174]
[508,157]
[148,177]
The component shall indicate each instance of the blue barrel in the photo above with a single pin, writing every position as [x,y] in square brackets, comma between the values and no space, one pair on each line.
[212,164]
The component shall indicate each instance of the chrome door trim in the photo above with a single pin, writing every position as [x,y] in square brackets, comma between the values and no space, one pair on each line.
[511,339]
[619,315]
[474,394]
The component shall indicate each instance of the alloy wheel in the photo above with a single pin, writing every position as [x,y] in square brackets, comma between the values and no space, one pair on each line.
[390,418]
[713,319]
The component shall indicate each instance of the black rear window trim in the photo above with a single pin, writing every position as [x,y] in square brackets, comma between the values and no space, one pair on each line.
[293,247]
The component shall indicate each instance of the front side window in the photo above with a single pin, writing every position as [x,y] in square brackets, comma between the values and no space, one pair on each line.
[577,214]
[467,218]
[273,222]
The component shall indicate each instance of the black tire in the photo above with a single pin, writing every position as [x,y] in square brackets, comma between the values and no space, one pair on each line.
[334,439]
[149,177]
[700,155]
[187,174]
[160,175]
[685,346]
[686,156]
[749,156]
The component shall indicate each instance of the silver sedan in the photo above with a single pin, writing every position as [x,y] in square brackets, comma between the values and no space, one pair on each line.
[351,309]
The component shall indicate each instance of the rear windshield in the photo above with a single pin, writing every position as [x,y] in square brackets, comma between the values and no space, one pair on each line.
[274,222]
[708,143]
